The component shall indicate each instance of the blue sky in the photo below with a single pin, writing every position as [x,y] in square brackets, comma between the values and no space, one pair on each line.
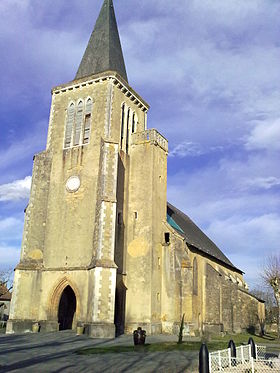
[210,71]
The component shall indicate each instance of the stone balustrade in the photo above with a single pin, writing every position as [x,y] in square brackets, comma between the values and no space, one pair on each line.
[151,135]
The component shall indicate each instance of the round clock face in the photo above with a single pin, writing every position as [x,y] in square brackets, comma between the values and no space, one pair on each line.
[73,184]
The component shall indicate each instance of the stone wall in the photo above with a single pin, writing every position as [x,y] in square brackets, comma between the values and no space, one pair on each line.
[229,306]
[222,303]
[213,299]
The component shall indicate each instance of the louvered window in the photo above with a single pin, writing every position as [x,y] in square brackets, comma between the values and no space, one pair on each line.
[69,125]
[78,124]
[87,121]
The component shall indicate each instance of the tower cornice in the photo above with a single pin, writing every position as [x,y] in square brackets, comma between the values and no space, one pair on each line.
[118,81]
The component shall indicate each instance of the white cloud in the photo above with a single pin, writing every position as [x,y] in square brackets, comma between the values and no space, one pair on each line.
[6,5]
[263,182]
[10,239]
[229,175]
[17,190]
[186,148]
[253,235]
[192,149]
[11,228]
[23,149]
[9,254]
[252,265]
[265,135]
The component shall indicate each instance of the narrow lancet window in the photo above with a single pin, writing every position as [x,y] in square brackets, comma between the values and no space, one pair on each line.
[87,123]
[133,123]
[127,130]
[122,125]
[69,125]
[195,277]
[79,121]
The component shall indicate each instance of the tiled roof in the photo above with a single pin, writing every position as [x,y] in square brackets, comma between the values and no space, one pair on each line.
[6,294]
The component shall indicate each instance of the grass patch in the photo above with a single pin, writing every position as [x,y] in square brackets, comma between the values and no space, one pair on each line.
[216,343]
[243,338]
[2,330]
[155,347]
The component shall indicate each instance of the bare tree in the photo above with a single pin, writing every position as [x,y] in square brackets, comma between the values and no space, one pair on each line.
[5,281]
[271,275]
[266,294]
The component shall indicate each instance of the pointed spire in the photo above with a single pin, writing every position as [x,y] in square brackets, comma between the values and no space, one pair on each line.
[104,51]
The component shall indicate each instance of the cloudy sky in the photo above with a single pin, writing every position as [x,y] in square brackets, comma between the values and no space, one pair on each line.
[210,71]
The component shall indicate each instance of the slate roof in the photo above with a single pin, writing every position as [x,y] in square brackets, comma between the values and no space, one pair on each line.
[104,51]
[194,235]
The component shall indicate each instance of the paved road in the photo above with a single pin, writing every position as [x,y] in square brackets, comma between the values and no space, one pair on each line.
[56,352]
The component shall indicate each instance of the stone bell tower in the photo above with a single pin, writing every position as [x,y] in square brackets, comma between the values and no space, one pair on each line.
[92,232]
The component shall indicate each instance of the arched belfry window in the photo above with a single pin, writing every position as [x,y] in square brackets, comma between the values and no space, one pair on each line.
[122,124]
[87,124]
[78,124]
[69,125]
[195,277]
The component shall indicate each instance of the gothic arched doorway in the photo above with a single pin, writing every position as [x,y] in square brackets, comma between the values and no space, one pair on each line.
[66,308]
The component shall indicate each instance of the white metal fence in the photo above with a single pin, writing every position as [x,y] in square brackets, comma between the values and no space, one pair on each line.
[221,361]
[260,352]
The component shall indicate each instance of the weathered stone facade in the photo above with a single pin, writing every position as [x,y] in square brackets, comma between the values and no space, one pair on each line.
[222,302]
[96,224]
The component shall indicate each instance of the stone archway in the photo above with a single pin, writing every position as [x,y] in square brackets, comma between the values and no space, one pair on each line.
[66,308]
[59,297]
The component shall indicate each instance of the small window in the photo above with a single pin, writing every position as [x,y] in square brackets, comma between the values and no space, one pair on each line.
[133,123]
[122,124]
[167,238]
[135,215]
[127,130]
[195,277]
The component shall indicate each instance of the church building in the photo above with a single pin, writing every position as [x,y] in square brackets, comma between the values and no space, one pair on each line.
[102,248]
